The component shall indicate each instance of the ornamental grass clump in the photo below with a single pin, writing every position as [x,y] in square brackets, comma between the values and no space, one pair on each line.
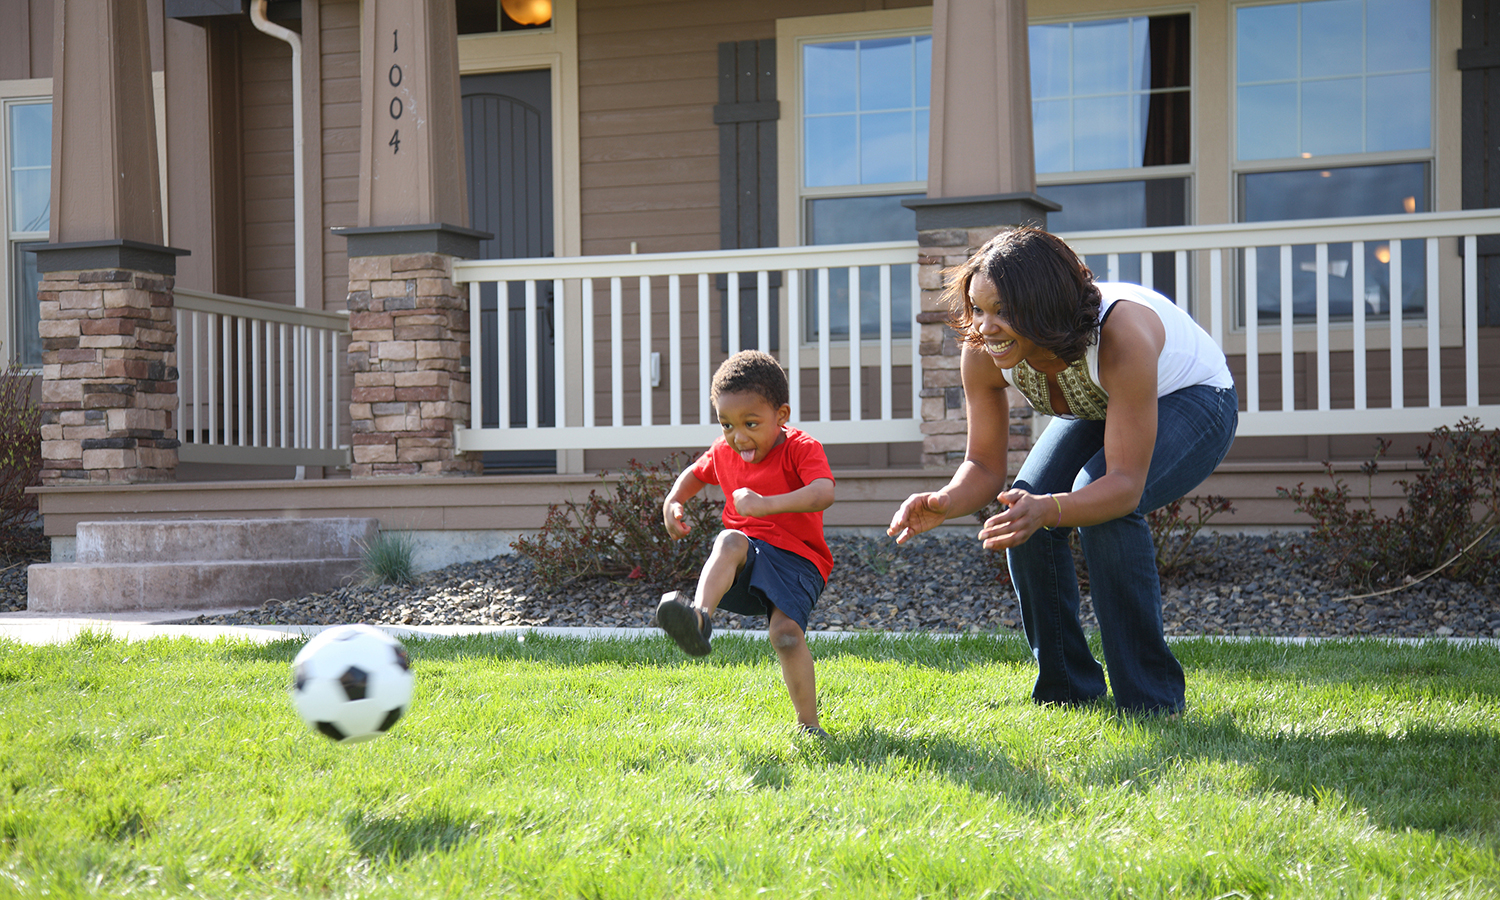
[1448,525]
[620,534]
[388,559]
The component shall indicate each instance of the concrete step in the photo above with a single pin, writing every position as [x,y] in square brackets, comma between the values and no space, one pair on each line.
[192,540]
[199,564]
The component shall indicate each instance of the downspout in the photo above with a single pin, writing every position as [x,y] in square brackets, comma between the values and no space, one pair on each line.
[299,223]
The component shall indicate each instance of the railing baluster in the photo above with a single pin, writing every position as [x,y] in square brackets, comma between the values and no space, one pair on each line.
[825,392]
[194,363]
[586,312]
[673,360]
[1357,287]
[241,438]
[763,310]
[503,353]
[705,374]
[1180,269]
[283,415]
[1148,266]
[213,378]
[1112,266]
[257,379]
[1216,295]
[1397,301]
[476,355]
[1471,320]
[1252,332]
[1288,375]
[793,353]
[885,343]
[616,352]
[916,342]
[533,367]
[559,356]
[1320,274]
[734,312]
[1434,352]
[856,344]
[322,388]
[647,412]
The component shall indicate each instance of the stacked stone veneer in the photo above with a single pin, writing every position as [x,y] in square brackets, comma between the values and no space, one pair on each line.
[944,428]
[409,332]
[109,377]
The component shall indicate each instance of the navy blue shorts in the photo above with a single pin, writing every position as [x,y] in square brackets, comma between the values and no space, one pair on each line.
[774,579]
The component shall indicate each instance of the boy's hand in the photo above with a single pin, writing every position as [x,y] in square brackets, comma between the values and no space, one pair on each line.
[749,503]
[672,517]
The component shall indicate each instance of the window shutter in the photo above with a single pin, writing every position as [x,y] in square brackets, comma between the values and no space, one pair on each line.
[746,115]
[1479,62]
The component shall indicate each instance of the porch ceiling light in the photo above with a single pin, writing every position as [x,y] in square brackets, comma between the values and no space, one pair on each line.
[528,12]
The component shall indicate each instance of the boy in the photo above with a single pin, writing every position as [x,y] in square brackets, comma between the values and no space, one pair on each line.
[771,559]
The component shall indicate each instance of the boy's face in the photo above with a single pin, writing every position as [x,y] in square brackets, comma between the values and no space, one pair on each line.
[752,426]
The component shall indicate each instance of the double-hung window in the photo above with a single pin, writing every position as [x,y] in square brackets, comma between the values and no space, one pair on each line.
[1111,105]
[1333,117]
[25,198]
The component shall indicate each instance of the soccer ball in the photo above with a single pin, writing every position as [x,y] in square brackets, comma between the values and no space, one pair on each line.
[351,682]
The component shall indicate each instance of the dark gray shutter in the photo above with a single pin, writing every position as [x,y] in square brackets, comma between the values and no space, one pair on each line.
[1479,61]
[746,115]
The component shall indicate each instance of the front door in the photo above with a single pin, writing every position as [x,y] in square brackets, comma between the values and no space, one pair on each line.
[508,157]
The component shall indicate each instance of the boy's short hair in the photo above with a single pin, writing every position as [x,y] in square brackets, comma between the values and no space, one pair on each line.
[751,370]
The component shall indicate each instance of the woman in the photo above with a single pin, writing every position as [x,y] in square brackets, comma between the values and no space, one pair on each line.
[1145,409]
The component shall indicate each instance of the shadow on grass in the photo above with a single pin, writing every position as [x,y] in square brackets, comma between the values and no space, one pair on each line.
[396,839]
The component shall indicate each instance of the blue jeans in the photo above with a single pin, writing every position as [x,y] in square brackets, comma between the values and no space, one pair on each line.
[1194,428]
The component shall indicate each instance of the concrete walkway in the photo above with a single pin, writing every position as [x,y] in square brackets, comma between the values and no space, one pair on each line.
[33,628]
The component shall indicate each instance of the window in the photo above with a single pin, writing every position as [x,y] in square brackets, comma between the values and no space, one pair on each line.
[1347,83]
[1111,126]
[864,108]
[25,196]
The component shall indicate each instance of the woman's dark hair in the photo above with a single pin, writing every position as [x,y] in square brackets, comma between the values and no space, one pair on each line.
[1047,294]
[753,371]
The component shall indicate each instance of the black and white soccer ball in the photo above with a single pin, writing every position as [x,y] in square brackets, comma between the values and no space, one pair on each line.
[352,682]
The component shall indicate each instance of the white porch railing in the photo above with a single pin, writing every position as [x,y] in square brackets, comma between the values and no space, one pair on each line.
[1426,328]
[606,393]
[259,383]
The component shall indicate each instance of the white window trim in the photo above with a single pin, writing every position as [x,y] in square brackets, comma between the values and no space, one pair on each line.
[25,90]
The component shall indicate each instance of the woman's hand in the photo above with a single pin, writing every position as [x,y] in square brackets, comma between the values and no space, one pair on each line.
[1024,515]
[920,512]
[672,517]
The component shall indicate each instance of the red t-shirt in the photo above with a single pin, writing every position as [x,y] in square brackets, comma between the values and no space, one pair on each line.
[794,463]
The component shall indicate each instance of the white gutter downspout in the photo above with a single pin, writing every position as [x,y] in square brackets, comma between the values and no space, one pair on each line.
[299,226]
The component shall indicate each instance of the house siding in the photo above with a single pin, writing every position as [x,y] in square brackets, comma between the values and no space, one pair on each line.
[25,39]
[266,111]
[339,73]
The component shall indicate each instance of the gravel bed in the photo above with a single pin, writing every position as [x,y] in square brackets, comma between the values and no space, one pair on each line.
[937,583]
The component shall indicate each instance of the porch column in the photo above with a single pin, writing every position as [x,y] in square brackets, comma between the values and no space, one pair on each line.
[109,377]
[409,322]
[981,180]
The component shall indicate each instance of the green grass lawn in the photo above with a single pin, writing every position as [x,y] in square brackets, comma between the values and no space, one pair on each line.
[562,768]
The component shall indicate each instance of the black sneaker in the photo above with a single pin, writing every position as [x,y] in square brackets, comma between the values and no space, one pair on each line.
[812,731]
[688,625]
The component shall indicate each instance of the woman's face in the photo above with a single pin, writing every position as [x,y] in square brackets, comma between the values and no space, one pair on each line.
[1003,345]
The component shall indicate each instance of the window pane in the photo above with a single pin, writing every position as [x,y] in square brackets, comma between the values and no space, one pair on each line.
[830,150]
[1101,133]
[1265,43]
[1332,116]
[30,166]
[1051,60]
[885,74]
[1333,38]
[1399,35]
[921,139]
[30,200]
[1150,203]
[886,148]
[1052,135]
[1267,121]
[1399,114]
[846,220]
[1101,57]
[28,340]
[923,69]
[1324,193]
[830,77]
[1164,118]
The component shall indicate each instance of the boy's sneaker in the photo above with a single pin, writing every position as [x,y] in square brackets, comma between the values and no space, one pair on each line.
[812,731]
[689,626]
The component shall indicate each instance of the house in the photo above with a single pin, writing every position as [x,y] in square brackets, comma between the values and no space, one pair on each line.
[315,231]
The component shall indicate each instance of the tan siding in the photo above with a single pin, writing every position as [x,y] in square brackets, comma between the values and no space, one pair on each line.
[341,117]
[266,108]
[25,39]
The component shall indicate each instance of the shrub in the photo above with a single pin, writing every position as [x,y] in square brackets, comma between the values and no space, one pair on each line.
[621,535]
[1452,508]
[388,559]
[1173,533]
[20,454]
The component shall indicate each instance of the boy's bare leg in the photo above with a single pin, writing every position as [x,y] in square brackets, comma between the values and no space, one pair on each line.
[796,667]
[731,549]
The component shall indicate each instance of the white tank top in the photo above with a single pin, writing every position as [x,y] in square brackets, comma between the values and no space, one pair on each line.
[1188,356]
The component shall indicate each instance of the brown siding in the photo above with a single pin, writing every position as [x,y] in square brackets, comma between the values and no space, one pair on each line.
[341,99]
[25,39]
[266,105]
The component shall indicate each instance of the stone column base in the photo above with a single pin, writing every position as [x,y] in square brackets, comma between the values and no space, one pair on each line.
[109,377]
[409,330]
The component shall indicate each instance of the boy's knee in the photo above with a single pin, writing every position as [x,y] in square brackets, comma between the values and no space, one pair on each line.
[731,541]
[786,634]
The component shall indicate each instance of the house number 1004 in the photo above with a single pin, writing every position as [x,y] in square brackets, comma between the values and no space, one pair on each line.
[395,76]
